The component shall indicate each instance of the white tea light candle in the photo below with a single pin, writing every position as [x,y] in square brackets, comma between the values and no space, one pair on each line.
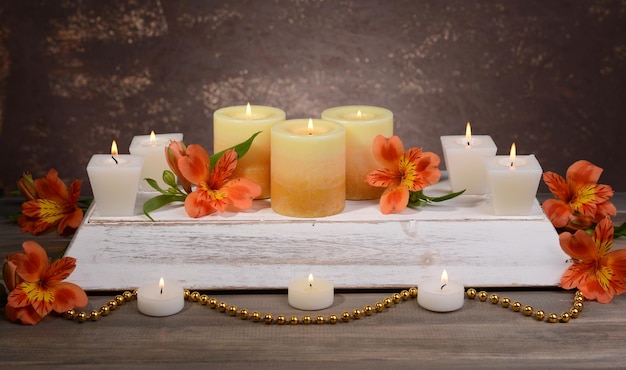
[441,295]
[114,182]
[160,299]
[513,182]
[463,156]
[152,148]
[311,294]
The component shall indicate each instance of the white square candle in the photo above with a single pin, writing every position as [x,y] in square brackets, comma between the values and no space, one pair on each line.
[464,161]
[152,148]
[513,184]
[114,181]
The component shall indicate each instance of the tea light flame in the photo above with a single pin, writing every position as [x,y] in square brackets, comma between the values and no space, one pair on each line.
[311,280]
[512,155]
[248,111]
[310,127]
[359,115]
[468,134]
[444,278]
[152,138]
[161,284]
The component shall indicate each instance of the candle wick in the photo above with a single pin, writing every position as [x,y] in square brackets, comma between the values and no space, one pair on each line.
[511,164]
[114,159]
[161,290]
[310,285]
[443,286]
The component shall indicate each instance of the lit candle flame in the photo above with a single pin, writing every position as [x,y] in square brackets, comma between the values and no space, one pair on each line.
[512,155]
[468,134]
[152,138]
[444,279]
[310,280]
[114,151]
[161,284]
[310,127]
[248,111]
[359,115]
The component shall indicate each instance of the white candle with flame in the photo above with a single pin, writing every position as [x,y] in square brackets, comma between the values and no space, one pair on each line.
[152,148]
[311,294]
[441,295]
[160,300]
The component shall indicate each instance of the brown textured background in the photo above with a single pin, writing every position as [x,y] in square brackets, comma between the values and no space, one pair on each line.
[74,75]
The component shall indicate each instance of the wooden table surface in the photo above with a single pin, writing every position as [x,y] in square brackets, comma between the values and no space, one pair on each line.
[480,335]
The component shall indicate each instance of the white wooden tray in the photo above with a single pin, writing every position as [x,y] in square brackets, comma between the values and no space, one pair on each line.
[359,248]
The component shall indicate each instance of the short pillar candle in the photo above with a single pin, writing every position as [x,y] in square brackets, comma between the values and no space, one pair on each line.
[463,156]
[308,168]
[152,148]
[310,294]
[233,125]
[160,299]
[440,295]
[363,123]
[513,182]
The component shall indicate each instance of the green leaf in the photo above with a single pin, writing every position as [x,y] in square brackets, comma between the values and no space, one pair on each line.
[159,201]
[418,198]
[155,185]
[619,230]
[241,149]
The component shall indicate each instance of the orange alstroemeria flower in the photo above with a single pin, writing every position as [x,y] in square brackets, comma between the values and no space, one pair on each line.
[581,202]
[173,152]
[40,288]
[55,205]
[597,272]
[403,172]
[214,190]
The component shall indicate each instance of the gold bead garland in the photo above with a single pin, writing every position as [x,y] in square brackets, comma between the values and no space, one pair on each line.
[346,316]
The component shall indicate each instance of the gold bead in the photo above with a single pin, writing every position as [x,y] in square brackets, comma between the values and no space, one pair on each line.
[505,302]
[579,306]
[379,306]
[69,314]
[204,299]
[222,306]
[482,295]
[135,293]
[574,312]
[127,296]
[195,296]
[113,305]
[345,316]
[281,319]
[94,315]
[307,320]
[565,317]
[319,320]
[81,316]
[232,310]
[516,306]
[405,295]
[186,294]
[396,297]
[528,310]
[268,318]
[357,313]
[244,314]
[494,298]
[294,320]
[579,299]
[553,317]
[540,315]
[105,310]
[213,302]
[120,299]
[256,316]
[332,318]
[413,292]
[579,294]
[471,293]
[368,310]
[388,302]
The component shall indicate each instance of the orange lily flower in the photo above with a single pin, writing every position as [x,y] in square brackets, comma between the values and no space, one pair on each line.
[40,288]
[597,271]
[580,201]
[403,172]
[173,153]
[214,190]
[55,205]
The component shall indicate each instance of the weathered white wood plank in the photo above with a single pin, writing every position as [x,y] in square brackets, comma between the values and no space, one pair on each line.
[359,248]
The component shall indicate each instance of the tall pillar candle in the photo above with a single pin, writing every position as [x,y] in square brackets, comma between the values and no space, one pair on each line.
[233,125]
[464,161]
[513,182]
[114,182]
[308,168]
[363,123]
[152,148]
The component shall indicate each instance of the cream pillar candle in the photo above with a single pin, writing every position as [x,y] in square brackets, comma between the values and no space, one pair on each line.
[440,295]
[463,156]
[513,182]
[363,123]
[308,168]
[160,299]
[233,125]
[114,182]
[310,294]
[152,148]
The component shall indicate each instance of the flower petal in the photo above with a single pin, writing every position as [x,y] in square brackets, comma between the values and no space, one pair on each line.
[388,152]
[194,166]
[241,192]
[557,185]
[582,172]
[383,177]
[223,169]
[197,206]
[558,212]
[32,263]
[70,222]
[68,296]
[394,198]
[25,315]
[51,187]
[580,246]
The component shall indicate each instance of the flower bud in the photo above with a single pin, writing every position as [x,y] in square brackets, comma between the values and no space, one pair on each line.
[26,185]
[10,276]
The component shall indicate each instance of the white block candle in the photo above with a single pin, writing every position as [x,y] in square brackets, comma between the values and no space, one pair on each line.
[308,168]
[463,156]
[440,295]
[152,148]
[114,182]
[311,294]
[363,123]
[233,125]
[513,182]
[160,299]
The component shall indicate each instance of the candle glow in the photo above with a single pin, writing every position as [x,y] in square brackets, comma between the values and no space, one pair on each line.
[153,140]
[468,134]
[310,127]
[512,156]
[114,151]
[248,111]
